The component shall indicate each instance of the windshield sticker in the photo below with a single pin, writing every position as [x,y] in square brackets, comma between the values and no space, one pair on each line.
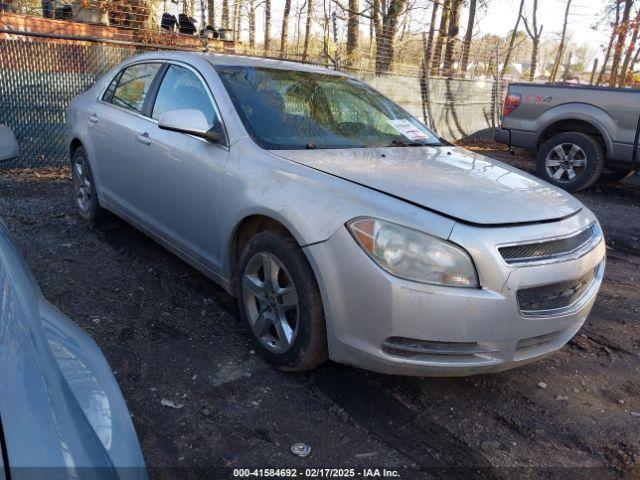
[409,130]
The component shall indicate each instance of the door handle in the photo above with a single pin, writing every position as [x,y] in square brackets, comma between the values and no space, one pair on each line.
[143,138]
[93,117]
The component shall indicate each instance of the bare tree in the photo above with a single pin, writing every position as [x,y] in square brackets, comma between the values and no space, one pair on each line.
[622,79]
[614,32]
[512,40]
[225,13]
[468,35]
[267,24]
[353,28]
[252,24]
[211,12]
[432,26]
[560,52]
[452,35]
[442,29]
[534,33]
[307,31]
[237,19]
[285,27]
[385,42]
[623,29]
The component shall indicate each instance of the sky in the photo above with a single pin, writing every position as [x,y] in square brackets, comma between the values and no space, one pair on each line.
[500,16]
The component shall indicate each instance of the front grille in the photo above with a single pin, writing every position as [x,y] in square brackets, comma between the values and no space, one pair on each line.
[540,251]
[557,296]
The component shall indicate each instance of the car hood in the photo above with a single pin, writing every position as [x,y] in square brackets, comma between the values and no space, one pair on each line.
[449,180]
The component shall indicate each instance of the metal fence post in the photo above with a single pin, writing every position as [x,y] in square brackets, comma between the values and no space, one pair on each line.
[495,116]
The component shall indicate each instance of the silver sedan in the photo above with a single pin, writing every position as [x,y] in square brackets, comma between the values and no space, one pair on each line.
[345,228]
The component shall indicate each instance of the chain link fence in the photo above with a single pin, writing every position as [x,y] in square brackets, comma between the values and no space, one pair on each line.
[39,76]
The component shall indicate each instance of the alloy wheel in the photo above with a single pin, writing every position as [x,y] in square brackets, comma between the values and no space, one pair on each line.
[271,301]
[82,185]
[565,162]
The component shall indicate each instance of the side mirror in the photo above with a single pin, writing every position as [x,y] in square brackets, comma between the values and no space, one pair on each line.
[189,121]
[8,144]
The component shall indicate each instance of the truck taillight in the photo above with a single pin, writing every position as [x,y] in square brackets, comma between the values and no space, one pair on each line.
[511,102]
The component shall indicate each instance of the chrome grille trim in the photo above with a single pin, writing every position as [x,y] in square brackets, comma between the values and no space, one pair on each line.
[552,250]
[562,298]
[400,345]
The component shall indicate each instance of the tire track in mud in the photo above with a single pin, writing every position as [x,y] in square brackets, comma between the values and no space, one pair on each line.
[428,444]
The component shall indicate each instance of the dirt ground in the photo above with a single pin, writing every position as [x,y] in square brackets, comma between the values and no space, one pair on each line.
[170,333]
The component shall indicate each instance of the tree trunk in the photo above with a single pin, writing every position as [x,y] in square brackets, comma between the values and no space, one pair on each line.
[377,20]
[512,41]
[386,42]
[211,13]
[534,59]
[622,37]
[237,19]
[614,31]
[468,35]
[267,24]
[558,61]
[452,35]
[353,29]
[252,24]
[225,13]
[437,51]
[285,27]
[307,31]
[432,28]
[534,33]
[622,80]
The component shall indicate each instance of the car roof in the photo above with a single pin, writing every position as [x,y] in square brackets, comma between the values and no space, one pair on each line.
[217,59]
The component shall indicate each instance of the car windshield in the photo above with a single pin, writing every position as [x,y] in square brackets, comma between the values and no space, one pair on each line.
[288,109]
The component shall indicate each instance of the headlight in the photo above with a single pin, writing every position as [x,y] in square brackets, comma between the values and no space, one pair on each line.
[413,255]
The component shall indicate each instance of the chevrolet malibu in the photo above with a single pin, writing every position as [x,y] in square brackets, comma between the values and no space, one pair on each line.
[345,228]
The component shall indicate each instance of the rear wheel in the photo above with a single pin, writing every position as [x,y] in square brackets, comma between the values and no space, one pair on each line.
[280,302]
[84,188]
[572,161]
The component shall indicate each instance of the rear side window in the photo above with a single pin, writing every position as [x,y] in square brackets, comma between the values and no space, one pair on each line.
[108,94]
[129,89]
[181,89]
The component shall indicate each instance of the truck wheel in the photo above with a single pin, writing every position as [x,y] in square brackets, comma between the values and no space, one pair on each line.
[572,161]
[612,175]
[280,302]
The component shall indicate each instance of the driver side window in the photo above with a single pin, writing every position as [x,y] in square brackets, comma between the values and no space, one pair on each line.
[182,89]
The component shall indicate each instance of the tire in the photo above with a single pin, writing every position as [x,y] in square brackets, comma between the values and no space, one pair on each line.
[264,312]
[84,187]
[612,175]
[583,158]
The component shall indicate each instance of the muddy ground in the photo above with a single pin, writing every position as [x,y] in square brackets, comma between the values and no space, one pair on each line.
[170,333]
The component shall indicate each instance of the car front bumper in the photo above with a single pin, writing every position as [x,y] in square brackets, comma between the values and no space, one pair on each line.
[459,331]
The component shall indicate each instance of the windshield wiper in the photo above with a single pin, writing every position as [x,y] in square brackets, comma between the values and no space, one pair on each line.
[402,143]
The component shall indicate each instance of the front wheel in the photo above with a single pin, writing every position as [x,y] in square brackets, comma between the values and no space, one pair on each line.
[280,302]
[571,160]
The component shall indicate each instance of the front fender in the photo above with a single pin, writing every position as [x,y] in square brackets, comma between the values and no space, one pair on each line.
[311,204]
